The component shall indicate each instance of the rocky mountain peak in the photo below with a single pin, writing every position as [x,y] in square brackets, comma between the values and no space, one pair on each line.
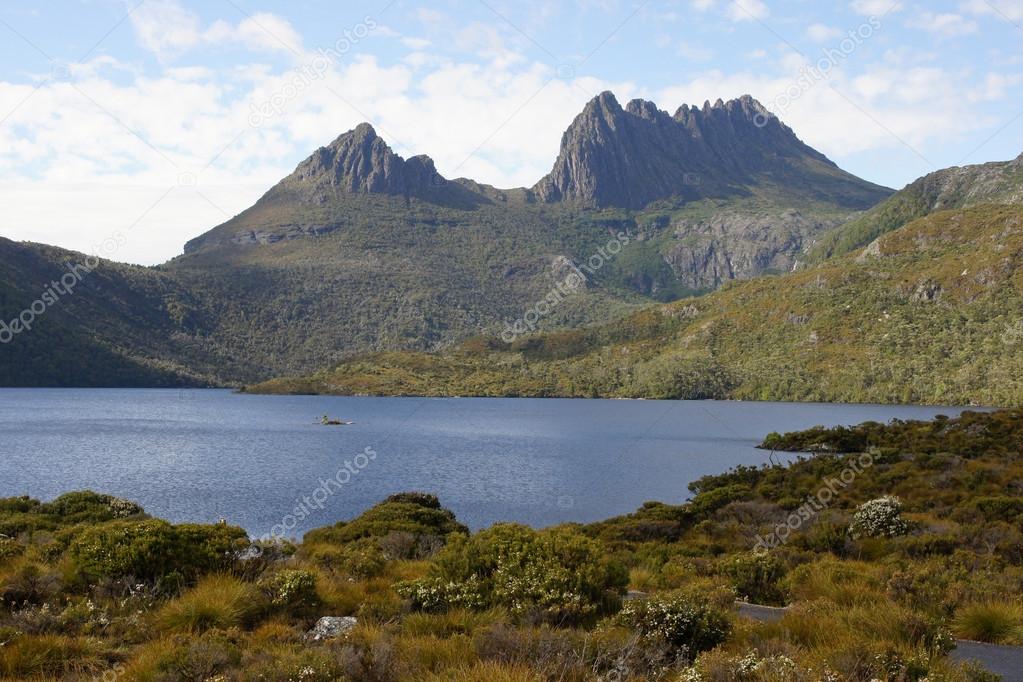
[632,157]
[360,161]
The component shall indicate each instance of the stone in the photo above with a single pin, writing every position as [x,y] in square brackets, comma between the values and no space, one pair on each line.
[331,627]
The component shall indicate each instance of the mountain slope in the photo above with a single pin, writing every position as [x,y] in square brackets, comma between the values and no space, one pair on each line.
[114,325]
[959,187]
[929,314]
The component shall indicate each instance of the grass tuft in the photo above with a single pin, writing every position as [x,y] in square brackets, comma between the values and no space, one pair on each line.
[218,601]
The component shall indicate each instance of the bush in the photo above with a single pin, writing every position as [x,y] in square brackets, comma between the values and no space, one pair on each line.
[416,513]
[680,620]
[290,589]
[556,574]
[994,508]
[757,577]
[880,518]
[28,583]
[200,658]
[77,507]
[150,549]
[359,559]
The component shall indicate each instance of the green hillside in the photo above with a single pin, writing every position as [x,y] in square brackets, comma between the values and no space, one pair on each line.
[118,325]
[930,313]
[961,187]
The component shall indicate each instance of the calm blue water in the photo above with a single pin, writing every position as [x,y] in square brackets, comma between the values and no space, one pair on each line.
[203,455]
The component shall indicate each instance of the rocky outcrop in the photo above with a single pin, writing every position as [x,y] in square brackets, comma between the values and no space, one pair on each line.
[706,253]
[965,186]
[632,157]
[361,162]
[331,627]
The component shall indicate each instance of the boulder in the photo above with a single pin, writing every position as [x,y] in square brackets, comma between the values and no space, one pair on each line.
[331,627]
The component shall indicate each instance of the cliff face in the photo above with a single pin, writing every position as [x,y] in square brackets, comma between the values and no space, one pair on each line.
[731,245]
[631,157]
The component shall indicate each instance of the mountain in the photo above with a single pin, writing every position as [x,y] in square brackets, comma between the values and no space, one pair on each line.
[69,320]
[361,250]
[929,313]
[959,187]
[632,157]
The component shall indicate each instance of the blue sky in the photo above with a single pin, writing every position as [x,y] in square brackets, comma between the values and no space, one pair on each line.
[163,118]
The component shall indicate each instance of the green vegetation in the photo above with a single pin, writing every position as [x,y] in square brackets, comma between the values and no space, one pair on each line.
[292,284]
[950,188]
[91,586]
[929,314]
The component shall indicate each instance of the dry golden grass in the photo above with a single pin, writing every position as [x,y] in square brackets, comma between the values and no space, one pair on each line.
[218,601]
[51,656]
[995,622]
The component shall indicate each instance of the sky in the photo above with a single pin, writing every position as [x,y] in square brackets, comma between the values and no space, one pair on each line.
[160,119]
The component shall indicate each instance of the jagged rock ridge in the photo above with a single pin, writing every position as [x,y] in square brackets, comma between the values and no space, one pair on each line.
[634,156]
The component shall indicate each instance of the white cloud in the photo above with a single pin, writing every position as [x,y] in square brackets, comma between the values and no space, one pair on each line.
[747,10]
[166,28]
[821,33]
[261,31]
[876,8]
[416,43]
[888,106]
[1006,9]
[946,24]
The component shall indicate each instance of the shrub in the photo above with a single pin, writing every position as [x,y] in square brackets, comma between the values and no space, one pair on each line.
[290,589]
[359,559]
[681,620]
[416,513]
[151,549]
[28,583]
[995,622]
[879,518]
[994,508]
[86,505]
[199,659]
[751,667]
[218,601]
[757,577]
[556,574]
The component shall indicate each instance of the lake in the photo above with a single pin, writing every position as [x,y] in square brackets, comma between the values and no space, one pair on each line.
[266,464]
